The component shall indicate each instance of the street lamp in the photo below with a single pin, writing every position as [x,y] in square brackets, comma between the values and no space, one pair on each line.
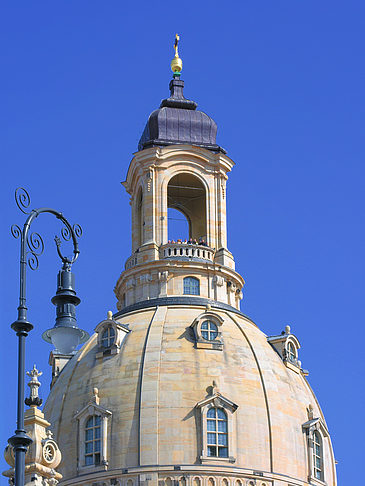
[65,334]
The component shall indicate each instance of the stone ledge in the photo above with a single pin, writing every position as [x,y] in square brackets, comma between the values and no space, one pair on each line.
[183,300]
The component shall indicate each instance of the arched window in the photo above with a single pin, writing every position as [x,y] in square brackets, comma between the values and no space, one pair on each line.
[292,355]
[191,286]
[108,337]
[93,440]
[217,433]
[317,456]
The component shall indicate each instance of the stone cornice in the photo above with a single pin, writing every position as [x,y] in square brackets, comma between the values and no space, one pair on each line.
[181,301]
[154,157]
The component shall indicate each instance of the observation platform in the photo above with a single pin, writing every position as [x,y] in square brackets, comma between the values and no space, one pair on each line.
[177,251]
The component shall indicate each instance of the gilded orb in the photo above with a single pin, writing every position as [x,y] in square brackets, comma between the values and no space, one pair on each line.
[176,65]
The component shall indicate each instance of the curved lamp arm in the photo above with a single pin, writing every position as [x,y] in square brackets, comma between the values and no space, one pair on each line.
[31,246]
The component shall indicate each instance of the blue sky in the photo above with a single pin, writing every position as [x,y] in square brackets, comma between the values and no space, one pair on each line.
[283,80]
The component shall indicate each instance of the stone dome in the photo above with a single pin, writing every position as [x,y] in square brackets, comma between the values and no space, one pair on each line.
[155,386]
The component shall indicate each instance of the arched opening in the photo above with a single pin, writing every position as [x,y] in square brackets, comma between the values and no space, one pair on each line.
[186,194]
[178,225]
[292,355]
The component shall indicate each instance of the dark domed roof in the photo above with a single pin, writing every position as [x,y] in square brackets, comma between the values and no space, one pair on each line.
[177,121]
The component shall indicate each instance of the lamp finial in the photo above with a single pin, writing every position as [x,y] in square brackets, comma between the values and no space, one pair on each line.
[33,400]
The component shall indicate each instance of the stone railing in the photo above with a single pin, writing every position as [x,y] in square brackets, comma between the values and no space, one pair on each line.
[177,251]
[185,250]
[132,261]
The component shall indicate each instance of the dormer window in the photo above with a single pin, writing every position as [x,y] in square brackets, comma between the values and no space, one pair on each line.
[206,331]
[287,345]
[216,414]
[108,337]
[317,433]
[93,435]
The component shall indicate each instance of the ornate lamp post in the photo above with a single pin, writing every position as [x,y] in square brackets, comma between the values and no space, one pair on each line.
[31,246]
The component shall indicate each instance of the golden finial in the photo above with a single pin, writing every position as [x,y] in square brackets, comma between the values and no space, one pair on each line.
[176,63]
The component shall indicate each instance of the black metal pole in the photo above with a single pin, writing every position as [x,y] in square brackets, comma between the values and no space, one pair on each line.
[32,245]
[20,441]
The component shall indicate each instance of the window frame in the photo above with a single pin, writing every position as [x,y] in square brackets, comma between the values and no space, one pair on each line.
[216,400]
[93,441]
[317,441]
[191,279]
[216,432]
[110,338]
[93,409]
[316,427]
[200,340]
[211,328]
[291,352]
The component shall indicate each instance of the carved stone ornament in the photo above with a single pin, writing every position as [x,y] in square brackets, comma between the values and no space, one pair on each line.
[218,280]
[145,278]
[163,276]
[34,400]
[149,178]
[44,455]
[130,283]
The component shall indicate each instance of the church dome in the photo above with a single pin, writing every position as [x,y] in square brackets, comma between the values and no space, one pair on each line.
[179,387]
[178,122]
[155,392]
